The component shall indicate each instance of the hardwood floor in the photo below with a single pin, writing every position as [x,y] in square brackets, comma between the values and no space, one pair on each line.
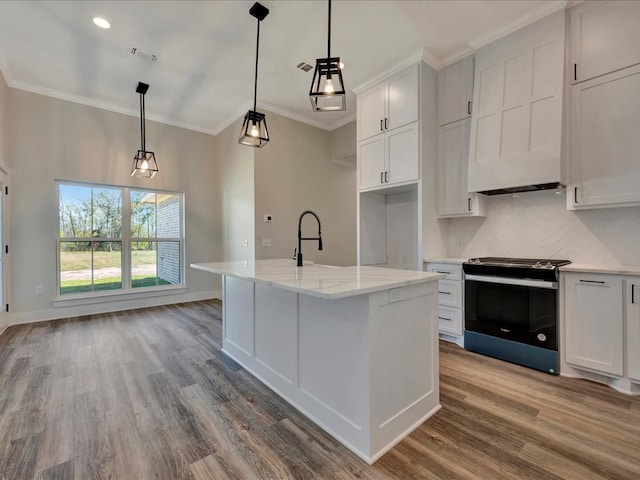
[147,394]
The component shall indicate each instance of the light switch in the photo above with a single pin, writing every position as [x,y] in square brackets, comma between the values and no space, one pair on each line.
[266,242]
[267,218]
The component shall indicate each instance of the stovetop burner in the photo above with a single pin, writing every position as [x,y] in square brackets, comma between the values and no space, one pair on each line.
[542,263]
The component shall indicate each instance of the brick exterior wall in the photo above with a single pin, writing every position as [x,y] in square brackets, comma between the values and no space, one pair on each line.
[168,225]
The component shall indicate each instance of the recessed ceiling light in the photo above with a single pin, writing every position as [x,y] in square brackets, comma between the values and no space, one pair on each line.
[101,22]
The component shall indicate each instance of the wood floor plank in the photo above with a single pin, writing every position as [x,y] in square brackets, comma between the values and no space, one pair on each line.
[147,394]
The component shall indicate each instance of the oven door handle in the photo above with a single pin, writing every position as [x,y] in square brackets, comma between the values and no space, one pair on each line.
[513,281]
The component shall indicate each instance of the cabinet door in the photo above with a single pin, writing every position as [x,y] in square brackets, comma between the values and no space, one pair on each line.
[633,328]
[371,162]
[605,139]
[403,98]
[371,112]
[403,154]
[455,90]
[594,322]
[450,320]
[453,153]
[604,38]
[517,108]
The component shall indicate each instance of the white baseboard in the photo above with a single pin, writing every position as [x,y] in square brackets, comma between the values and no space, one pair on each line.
[20,318]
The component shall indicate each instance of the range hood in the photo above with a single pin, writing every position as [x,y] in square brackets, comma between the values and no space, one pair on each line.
[524,188]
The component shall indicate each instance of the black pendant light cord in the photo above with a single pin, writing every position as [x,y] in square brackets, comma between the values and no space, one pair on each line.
[142,133]
[329,33]
[255,80]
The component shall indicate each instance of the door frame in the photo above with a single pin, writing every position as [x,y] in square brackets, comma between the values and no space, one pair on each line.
[4,224]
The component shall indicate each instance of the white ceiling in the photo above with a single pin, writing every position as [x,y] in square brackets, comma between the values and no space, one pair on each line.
[203,78]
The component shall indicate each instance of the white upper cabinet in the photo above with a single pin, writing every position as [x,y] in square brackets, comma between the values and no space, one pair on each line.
[389,159]
[453,154]
[391,104]
[605,142]
[594,328]
[604,38]
[455,91]
[517,108]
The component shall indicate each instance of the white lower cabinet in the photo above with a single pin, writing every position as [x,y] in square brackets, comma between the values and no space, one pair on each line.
[633,328]
[450,298]
[594,322]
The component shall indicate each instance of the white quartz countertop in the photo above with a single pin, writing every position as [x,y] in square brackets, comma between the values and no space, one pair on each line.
[322,281]
[595,268]
[455,261]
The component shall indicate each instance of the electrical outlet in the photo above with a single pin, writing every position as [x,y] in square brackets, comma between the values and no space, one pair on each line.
[245,243]
[266,242]
[39,289]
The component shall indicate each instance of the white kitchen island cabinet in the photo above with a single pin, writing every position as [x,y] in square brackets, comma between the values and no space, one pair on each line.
[353,348]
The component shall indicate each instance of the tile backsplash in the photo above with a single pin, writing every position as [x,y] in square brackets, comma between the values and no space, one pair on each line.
[538,225]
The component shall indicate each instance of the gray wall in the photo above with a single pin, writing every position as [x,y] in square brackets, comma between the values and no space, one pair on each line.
[55,139]
[295,172]
[233,184]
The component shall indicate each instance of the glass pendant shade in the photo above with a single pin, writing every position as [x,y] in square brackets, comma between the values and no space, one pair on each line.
[144,165]
[254,131]
[327,92]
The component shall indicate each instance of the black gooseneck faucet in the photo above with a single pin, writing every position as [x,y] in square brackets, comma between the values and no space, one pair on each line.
[300,237]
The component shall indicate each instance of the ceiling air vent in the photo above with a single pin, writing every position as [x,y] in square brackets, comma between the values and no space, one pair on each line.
[136,52]
[304,66]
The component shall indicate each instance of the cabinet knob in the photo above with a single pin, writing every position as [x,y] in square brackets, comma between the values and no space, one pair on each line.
[386,177]
[381,177]
[385,123]
[381,129]
[469,107]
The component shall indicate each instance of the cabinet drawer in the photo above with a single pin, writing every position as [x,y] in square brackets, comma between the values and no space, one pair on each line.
[450,293]
[450,320]
[452,272]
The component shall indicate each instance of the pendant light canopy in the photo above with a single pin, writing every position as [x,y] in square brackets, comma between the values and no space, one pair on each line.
[327,92]
[254,131]
[144,162]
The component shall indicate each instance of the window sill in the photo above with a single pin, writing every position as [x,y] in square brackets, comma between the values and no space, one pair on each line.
[105,297]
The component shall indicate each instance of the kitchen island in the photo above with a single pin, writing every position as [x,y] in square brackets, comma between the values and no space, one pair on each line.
[355,349]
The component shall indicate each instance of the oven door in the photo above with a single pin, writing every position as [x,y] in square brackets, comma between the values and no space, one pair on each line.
[516,309]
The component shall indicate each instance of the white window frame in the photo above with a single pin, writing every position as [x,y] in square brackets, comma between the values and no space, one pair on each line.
[127,291]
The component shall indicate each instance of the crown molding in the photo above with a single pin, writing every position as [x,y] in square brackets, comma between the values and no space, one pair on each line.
[432,59]
[464,53]
[49,92]
[232,118]
[399,66]
[342,122]
[528,18]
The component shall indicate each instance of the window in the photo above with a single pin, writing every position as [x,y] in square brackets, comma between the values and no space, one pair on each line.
[118,239]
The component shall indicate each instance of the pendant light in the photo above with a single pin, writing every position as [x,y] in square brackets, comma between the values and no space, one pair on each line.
[254,131]
[144,162]
[327,92]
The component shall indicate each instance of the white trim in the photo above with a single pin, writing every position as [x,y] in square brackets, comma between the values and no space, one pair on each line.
[302,119]
[343,122]
[398,67]
[233,118]
[432,59]
[4,69]
[49,92]
[120,296]
[451,59]
[70,312]
[528,18]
